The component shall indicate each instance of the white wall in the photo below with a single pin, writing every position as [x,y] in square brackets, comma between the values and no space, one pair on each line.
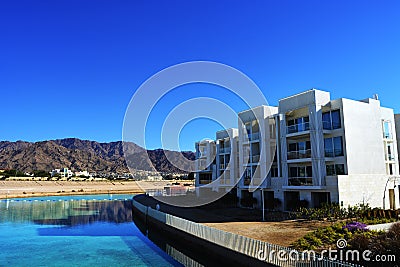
[363,137]
[356,189]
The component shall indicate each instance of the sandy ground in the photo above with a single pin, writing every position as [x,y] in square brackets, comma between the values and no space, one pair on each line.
[12,189]
[280,233]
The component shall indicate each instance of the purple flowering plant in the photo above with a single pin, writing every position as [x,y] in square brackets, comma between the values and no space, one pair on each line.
[355,227]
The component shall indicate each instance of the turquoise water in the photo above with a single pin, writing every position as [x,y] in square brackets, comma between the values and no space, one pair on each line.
[74,231]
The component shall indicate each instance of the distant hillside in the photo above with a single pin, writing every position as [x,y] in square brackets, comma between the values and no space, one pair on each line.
[79,154]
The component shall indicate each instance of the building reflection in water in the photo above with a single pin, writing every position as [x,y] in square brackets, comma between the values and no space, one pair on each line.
[68,213]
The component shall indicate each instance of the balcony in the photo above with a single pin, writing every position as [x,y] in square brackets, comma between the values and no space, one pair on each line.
[300,181]
[297,128]
[301,154]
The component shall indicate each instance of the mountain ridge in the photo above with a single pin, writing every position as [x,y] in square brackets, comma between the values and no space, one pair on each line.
[77,154]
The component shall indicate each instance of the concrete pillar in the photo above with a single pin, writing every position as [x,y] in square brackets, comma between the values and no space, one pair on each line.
[317,145]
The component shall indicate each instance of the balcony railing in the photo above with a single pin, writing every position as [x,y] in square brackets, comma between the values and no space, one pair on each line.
[301,127]
[328,125]
[253,136]
[225,150]
[299,181]
[301,154]
[335,153]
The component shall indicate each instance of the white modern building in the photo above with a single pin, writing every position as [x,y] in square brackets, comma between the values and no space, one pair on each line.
[206,171]
[64,172]
[312,150]
[227,159]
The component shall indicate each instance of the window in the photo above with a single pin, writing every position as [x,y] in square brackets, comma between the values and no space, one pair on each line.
[328,142]
[254,126]
[326,120]
[301,171]
[390,153]
[298,125]
[333,147]
[331,120]
[274,172]
[387,131]
[336,122]
[337,145]
[330,170]
[247,173]
[335,169]
[339,168]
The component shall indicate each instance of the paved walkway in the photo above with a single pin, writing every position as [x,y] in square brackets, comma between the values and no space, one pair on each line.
[380,227]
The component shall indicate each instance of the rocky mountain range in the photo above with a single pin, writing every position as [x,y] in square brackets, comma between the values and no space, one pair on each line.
[77,155]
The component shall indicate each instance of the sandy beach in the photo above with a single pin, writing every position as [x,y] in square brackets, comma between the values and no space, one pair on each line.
[11,189]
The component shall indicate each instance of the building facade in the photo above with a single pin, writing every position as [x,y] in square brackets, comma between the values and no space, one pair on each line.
[312,150]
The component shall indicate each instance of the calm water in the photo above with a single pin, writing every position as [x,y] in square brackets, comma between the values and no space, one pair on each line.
[74,231]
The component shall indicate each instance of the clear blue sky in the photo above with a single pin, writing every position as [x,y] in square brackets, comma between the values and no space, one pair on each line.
[69,68]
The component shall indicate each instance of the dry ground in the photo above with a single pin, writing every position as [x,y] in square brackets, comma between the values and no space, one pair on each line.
[281,233]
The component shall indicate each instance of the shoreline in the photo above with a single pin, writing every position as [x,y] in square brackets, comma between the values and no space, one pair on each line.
[100,192]
[24,189]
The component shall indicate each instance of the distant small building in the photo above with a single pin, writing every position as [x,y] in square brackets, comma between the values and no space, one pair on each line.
[64,172]
[82,173]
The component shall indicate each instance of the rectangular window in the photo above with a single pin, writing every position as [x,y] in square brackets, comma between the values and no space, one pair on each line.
[302,171]
[301,146]
[298,125]
[335,169]
[339,169]
[338,146]
[308,171]
[331,120]
[274,171]
[293,147]
[336,122]
[333,147]
[328,143]
[390,169]
[326,120]
[330,170]
[387,133]
[293,172]
[248,128]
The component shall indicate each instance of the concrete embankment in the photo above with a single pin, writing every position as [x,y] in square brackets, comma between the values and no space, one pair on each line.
[215,245]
